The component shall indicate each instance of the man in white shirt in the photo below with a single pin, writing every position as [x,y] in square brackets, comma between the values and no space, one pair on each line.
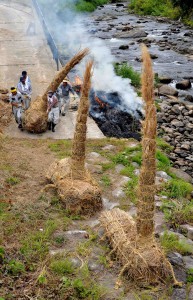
[15,98]
[25,89]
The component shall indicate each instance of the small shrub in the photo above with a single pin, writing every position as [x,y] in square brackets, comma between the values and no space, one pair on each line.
[62,267]
[13,180]
[15,267]
[179,213]
[170,242]
[126,71]
[163,161]
[178,188]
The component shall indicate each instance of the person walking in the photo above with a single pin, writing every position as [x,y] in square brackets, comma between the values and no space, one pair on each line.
[15,98]
[52,110]
[25,89]
[63,92]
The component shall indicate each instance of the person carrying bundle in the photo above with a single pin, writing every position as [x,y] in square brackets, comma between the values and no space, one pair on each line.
[24,87]
[52,110]
[64,96]
[15,98]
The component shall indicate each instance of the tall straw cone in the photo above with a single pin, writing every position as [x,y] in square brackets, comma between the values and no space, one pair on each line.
[146,192]
[36,116]
[79,142]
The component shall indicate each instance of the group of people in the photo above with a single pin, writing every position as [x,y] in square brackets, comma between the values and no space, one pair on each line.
[20,97]
[58,101]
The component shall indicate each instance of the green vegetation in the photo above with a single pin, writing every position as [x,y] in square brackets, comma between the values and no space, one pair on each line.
[163,145]
[178,188]
[126,71]
[170,242]
[36,245]
[62,266]
[163,162]
[89,5]
[190,275]
[179,212]
[12,180]
[173,9]
[155,8]
[106,180]
[15,267]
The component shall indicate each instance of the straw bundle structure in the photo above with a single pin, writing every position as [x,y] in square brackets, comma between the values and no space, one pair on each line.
[146,191]
[133,242]
[36,116]
[77,190]
[143,265]
[79,141]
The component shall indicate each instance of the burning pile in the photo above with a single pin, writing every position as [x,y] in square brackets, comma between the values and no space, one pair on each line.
[113,117]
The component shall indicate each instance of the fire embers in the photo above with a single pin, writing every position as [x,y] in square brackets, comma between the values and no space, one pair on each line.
[112,117]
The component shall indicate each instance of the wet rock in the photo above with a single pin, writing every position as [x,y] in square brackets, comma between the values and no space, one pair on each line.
[124,47]
[131,34]
[167,90]
[183,85]
[189,98]
[153,56]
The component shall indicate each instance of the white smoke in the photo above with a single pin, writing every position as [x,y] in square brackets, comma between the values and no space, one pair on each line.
[73,34]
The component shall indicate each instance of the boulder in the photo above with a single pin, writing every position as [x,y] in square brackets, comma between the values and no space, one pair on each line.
[165,80]
[188,98]
[167,90]
[184,84]
[131,34]
[181,174]
[124,47]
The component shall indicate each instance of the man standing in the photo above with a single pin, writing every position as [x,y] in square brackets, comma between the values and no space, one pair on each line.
[25,89]
[64,97]
[15,98]
[53,111]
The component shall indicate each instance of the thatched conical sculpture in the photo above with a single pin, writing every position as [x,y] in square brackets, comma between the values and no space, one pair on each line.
[133,242]
[77,190]
[35,119]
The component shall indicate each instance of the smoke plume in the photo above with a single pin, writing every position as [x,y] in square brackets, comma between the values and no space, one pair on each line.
[71,33]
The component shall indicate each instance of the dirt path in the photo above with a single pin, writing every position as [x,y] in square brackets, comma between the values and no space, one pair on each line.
[22,51]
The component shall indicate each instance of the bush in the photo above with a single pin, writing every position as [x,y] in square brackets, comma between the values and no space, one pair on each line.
[126,71]
[89,6]
[178,188]
[15,267]
[155,8]
[62,267]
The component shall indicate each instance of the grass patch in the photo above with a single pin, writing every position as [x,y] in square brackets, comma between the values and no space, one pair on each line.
[36,245]
[163,145]
[126,71]
[170,242]
[62,266]
[107,166]
[89,5]
[163,162]
[62,148]
[15,267]
[106,180]
[84,249]
[178,188]
[155,8]
[177,213]
[12,180]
